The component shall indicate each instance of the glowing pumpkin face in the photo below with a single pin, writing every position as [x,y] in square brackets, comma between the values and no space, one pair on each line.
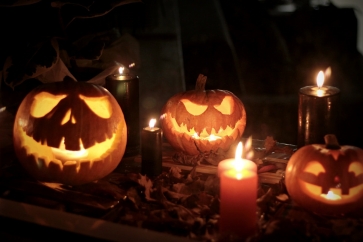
[69,132]
[326,179]
[201,121]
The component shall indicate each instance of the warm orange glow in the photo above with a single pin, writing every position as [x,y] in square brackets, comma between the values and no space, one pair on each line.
[152,123]
[331,196]
[101,106]
[320,79]
[66,155]
[356,167]
[193,108]
[314,167]
[211,137]
[61,156]
[226,106]
[43,103]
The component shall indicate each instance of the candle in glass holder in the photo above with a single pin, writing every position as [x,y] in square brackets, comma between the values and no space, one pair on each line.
[318,112]
[238,194]
[151,150]
[125,88]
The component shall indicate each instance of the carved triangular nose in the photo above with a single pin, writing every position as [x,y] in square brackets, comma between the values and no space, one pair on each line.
[68,117]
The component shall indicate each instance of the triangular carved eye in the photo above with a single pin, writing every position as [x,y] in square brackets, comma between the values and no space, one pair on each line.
[226,106]
[356,167]
[314,167]
[192,108]
[99,105]
[43,103]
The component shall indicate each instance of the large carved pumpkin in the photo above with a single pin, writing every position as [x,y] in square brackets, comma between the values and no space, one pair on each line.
[326,179]
[202,120]
[69,132]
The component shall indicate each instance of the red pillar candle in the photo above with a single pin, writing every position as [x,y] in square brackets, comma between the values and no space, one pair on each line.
[151,150]
[238,193]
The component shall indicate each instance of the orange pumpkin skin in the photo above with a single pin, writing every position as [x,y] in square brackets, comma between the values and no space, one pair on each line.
[203,112]
[69,132]
[326,181]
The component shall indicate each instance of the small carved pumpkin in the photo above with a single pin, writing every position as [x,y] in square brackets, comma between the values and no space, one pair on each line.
[69,132]
[202,120]
[326,179]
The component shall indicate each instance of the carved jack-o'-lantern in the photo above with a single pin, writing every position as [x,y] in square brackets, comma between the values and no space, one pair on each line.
[326,179]
[69,132]
[203,120]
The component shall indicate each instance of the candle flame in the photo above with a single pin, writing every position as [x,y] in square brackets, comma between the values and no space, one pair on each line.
[121,70]
[132,65]
[331,196]
[320,79]
[238,164]
[152,123]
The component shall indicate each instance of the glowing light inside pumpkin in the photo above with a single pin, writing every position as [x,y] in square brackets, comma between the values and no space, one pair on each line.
[226,107]
[43,103]
[101,106]
[211,137]
[193,108]
[62,154]
[334,196]
[331,196]
[47,153]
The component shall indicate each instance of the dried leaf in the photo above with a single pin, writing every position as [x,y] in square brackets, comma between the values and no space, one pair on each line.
[148,185]
[269,144]
[175,172]
[56,73]
[30,61]
[182,158]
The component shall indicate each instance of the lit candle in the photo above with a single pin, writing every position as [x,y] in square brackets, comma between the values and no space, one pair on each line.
[228,164]
[125,88]
[151,150]
[238,193]
[318,113]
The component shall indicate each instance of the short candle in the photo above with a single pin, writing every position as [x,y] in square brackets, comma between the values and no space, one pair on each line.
[151,150]
[318,112]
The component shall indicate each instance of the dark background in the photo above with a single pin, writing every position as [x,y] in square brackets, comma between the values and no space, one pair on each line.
[252,48]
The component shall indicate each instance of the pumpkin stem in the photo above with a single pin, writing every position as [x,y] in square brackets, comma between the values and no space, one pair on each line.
[331,142]
[200,85]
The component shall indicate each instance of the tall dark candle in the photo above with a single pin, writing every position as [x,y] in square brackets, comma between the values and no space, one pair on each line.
[318,113]
[151,150]
[125,88]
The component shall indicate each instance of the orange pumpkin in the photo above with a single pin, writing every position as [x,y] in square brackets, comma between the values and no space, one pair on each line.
[69,132]
[326,179]
[200,120]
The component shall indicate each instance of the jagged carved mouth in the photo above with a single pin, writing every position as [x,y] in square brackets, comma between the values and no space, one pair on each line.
[62,157]
[334,195]
[204,134]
